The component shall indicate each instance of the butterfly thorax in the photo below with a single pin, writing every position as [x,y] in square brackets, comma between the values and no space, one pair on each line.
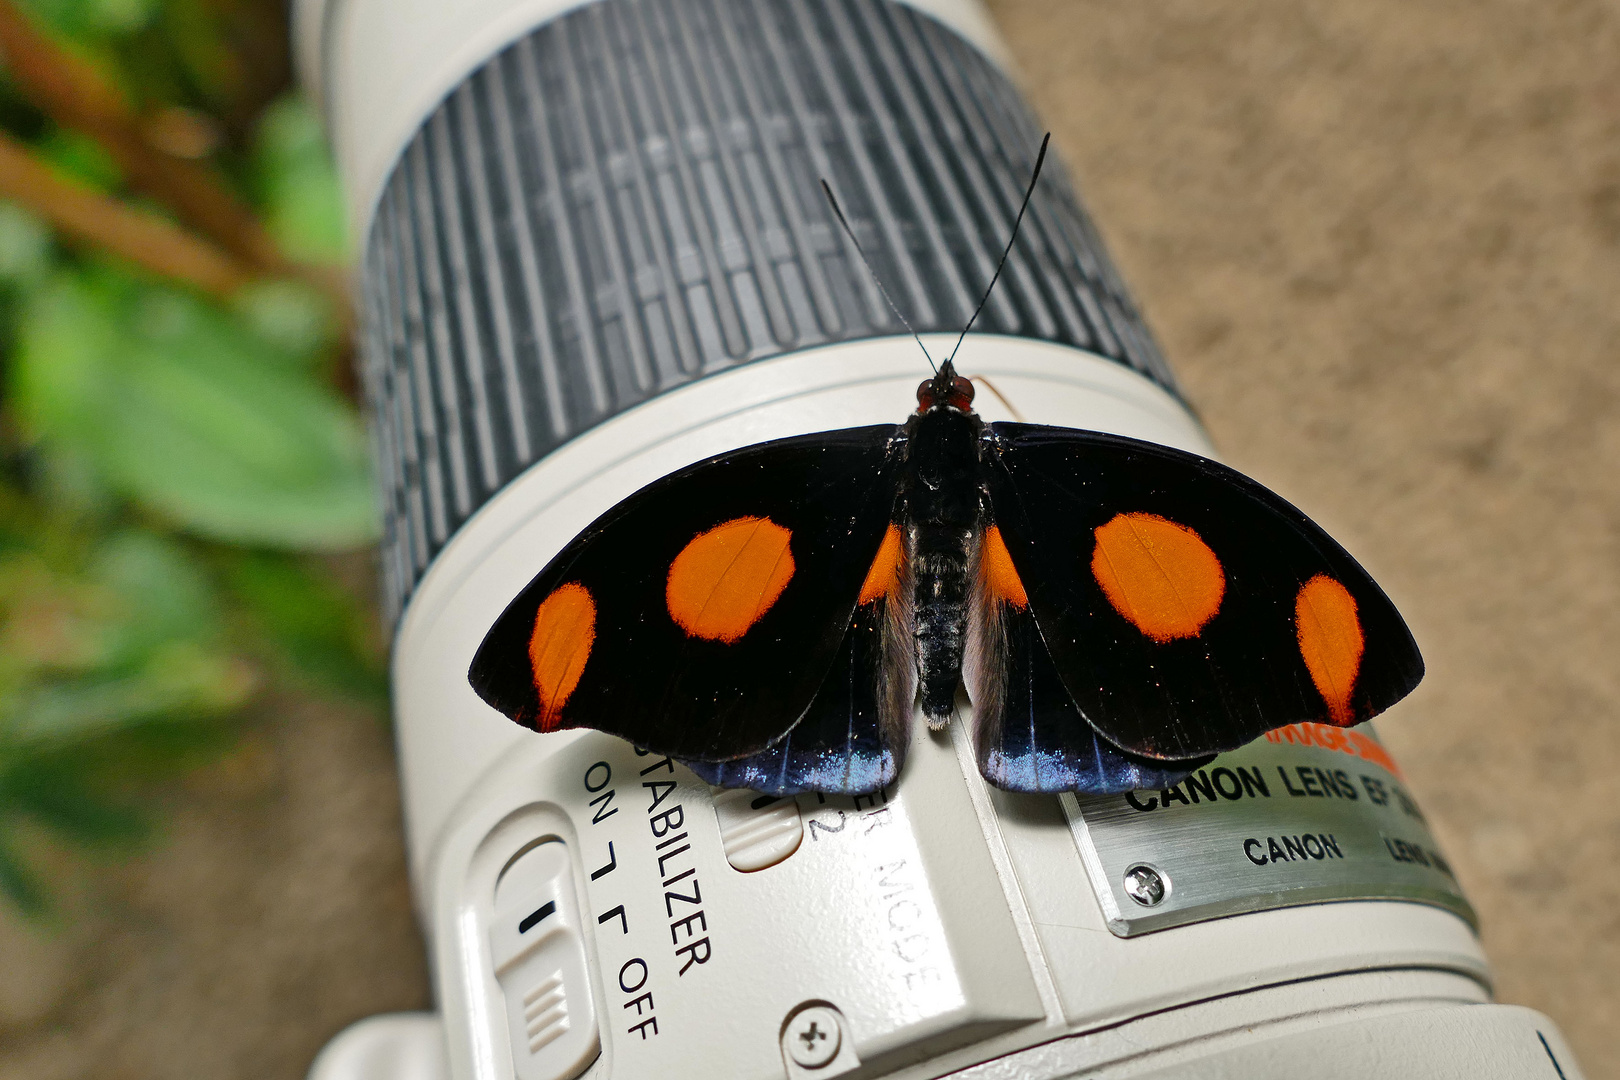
[941,510]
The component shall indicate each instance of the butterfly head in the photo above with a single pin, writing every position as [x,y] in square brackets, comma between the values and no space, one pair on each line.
[946,390]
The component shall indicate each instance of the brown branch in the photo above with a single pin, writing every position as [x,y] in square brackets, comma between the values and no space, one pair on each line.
[87,215]
[75,95]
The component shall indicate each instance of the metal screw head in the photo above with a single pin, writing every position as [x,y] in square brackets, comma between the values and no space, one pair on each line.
[1146,885]
[812,1037]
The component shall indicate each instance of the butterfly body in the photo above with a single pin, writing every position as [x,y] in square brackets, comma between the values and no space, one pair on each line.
[1117,612]
[940,509]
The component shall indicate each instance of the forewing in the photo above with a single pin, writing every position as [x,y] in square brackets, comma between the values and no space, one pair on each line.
[698,617]
[1186,608]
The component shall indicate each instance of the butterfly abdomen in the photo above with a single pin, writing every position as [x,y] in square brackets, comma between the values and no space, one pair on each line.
[942,509]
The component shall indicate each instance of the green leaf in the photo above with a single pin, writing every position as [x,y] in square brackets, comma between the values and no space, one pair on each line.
[298,185]
[91,791]
[82,158]
[175,681]
[82,19]
[103,635]
[25,245]
[56,795]
[203,50]
[121,16]
[184,409]
[317,627]
[294,317]
[19,884]
[65,478]
[148,751]
[165,593]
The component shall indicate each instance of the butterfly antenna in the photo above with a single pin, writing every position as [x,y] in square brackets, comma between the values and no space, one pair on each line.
[839,213]
[1040,159]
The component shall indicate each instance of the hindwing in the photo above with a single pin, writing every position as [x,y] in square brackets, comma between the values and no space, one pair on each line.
[852,739]
[1027,731]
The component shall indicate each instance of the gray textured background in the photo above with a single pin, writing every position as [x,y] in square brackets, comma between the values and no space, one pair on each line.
[1380,242]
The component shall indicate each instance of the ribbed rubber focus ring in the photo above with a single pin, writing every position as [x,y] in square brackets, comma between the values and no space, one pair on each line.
[628,199]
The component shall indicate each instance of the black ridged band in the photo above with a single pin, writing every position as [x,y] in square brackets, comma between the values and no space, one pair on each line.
[628,199]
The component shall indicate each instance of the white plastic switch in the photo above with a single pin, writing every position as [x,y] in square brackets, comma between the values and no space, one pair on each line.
[539,955]
[757,830]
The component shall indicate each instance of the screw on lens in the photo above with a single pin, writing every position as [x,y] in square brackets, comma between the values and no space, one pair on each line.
[1146,885]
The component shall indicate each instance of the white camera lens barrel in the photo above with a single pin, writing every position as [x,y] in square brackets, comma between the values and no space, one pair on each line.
[594,250]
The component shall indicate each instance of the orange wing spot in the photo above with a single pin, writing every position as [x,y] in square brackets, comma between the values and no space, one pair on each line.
[1330,641]
[726,579]
[885,572]
[1159,575]
[564,631]
[999,572]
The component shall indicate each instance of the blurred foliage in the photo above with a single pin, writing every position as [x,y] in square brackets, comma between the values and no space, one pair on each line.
[188,410]
[176,470]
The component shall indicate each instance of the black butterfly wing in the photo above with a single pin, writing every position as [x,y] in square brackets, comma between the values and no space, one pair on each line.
[699,617]
[1028,733]
[1186,608]
[852,739]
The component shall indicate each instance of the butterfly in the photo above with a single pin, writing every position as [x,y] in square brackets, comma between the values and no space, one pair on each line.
[1118,612]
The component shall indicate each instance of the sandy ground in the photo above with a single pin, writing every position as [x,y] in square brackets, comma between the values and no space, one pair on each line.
[1381,243]
[272,913]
